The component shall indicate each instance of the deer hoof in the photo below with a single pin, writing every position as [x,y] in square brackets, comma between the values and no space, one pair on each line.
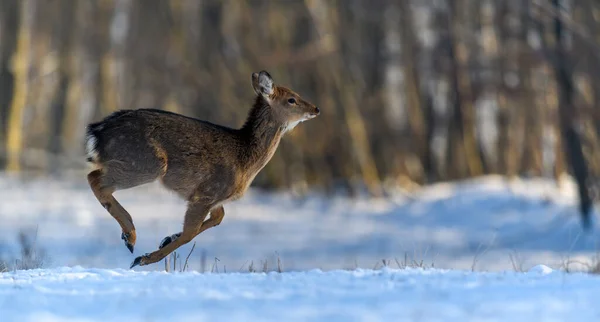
[169,239]
[139,261]
[125,238]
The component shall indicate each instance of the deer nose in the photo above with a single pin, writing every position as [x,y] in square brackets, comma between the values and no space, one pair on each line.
[317,111]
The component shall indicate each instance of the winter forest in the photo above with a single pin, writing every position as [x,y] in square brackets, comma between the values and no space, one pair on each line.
[411,92]
[451,174]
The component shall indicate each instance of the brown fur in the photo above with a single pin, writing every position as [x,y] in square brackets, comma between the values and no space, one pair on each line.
[206,164]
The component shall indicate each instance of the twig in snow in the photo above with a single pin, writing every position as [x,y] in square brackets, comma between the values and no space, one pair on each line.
[215,266]
[188,257]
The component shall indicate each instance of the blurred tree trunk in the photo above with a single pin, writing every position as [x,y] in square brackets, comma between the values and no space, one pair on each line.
[464,156]
[115,71]
[486,85]
[21,61]
[348,100]
[531,161]
[9,25]
[393,118]
[416,122]
[512,101]
[426,39]
[340,163]
[82,94]
[568,118]
[593,25]
[63,36]
[44,75]
[151,57]
[503,147]
[187,38]
[441,92]
[587,70]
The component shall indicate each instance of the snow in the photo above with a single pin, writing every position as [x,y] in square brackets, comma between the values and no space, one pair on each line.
[79,294]
[488,223]
[504,246]
[542,269]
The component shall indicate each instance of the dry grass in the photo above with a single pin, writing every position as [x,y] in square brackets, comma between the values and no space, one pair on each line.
[32,255]
[516,261]
[173,263]
[482,251]
[406,262]
[215,267]
[174,257]
[264,264]
[275,264]
[592,266]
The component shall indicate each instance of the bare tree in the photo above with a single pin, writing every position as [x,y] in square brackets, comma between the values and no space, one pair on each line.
[568,119]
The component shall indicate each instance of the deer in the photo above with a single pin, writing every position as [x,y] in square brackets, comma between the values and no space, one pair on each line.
[205,164]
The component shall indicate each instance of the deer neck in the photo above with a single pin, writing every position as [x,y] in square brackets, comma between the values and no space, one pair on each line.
[262,132]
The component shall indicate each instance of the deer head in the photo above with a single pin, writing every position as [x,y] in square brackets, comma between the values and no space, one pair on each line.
[287,107]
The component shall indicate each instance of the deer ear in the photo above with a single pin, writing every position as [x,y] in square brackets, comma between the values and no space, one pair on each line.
[262,83]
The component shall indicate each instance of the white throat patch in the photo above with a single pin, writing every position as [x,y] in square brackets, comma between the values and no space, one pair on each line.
[290,126]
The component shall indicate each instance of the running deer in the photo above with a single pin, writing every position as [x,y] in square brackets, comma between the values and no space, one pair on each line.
[204,163]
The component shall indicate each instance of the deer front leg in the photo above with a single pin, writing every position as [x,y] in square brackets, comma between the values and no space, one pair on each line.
[192,226]
[104,195]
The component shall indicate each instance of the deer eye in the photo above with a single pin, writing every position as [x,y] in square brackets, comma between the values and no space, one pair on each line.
[292,100]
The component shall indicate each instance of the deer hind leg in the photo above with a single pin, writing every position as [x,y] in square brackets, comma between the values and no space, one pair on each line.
[216,216]
[104,195]
[192,226]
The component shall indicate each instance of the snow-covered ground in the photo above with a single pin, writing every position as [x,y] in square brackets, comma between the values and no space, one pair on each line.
[486,224]
[479,234]
[78,294]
